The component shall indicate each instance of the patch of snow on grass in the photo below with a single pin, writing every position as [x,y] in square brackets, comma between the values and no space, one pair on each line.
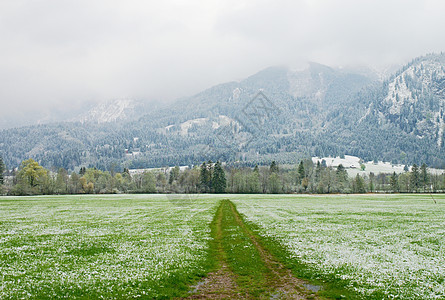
[392,244]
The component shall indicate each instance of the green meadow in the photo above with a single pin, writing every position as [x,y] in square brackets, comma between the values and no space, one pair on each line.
[160,246]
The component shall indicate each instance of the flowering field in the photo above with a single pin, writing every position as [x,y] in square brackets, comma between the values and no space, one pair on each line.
[153,246]
[383,246]
[102,246]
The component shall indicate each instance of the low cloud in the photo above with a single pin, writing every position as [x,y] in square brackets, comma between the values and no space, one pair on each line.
[61,54]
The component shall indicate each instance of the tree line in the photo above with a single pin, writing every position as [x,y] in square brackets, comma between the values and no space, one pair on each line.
[209,177]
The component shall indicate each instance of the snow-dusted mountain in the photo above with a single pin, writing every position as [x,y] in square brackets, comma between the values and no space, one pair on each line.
[314,111]
[414,98]
[113,111]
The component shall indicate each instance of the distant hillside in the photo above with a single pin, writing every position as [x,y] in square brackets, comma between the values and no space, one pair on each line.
[409,111]
[117,110]
[316,111]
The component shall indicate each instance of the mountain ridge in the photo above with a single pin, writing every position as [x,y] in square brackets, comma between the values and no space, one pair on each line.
[320,111]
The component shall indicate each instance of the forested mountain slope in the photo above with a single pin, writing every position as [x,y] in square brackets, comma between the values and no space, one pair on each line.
[298,113]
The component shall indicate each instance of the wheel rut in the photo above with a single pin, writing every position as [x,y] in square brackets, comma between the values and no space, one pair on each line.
[246,269]
[220,284]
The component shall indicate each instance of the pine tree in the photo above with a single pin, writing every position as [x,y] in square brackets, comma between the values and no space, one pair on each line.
[359,184]
[424,179]
[82,171]
[205,176]
[274,167]
[219,182]
[371,181]
[342,174]
[301,172]
[394,182]
[415,178]
[2,170]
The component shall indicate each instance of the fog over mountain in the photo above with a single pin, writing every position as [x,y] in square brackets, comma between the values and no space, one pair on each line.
[59,58]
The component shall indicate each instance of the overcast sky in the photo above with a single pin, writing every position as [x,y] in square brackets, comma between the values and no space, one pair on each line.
[60,53]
